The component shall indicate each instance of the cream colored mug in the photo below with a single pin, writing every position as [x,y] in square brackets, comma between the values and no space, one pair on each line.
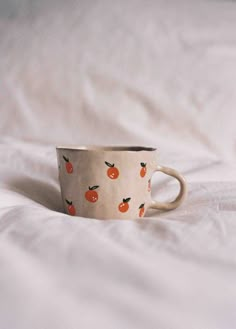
[111,182]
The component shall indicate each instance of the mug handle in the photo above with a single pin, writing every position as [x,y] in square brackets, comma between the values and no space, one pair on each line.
[182,193]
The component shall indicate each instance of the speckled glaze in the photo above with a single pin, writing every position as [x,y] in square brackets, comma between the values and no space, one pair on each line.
[111,182]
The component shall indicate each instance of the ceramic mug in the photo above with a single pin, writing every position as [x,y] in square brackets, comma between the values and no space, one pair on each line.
[111,182]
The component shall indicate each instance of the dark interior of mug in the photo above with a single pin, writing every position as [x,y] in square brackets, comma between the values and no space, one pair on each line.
[108,148]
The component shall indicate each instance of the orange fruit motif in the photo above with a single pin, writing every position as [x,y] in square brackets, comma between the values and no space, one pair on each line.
[112,171]
[124,205]
[69,167]
[91,195]
[141,211]
[149,185]
[143,170]
[70,208]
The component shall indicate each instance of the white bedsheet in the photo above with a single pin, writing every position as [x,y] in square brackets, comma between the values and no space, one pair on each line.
[159,73]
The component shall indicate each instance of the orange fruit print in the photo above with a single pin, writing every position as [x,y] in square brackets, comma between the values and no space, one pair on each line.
[124,205]
[143,170]
[141,211]
[91,195]
[112,171]
[70,208]
[69,167]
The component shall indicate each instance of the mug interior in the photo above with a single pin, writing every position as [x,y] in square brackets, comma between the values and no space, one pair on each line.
[107,148]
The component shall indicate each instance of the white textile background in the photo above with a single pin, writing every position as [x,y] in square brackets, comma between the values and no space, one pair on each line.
[150,72]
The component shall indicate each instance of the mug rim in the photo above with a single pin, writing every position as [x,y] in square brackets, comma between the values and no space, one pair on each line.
[107,148]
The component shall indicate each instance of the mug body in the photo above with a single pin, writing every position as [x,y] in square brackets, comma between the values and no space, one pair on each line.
[106,182]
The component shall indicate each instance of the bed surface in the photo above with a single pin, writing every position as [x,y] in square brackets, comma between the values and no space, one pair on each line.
[168,83]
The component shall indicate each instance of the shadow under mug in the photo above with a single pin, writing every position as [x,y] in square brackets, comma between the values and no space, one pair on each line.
[111,182]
